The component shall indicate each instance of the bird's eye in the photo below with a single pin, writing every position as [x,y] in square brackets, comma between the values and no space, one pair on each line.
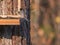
[21,9]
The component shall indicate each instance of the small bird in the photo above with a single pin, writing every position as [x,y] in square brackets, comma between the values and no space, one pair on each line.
[23,13]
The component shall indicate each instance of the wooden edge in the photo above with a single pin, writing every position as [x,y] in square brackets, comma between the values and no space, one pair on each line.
[11,16]
[9,22]
[19,5]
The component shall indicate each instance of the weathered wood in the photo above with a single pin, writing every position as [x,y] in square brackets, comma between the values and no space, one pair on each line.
[0,7]
[19,5]
[7,7]
[24,41]
[9,22]
[0,41]
[11,16]
[10,8]
[7,41]
[15,7]
[19,40]
[3,41]
[10,41]
[13,40]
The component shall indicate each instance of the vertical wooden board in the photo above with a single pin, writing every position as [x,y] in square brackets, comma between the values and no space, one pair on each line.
[3,7]
[10,41]
[13,40]
[7,41]
[0,7]
[0,41]
[19,40]
[3,41]
[15,7]
[6,7]
[23,4]
[24,41]
[16,40]
[9,6]
[14,36]
[19,5]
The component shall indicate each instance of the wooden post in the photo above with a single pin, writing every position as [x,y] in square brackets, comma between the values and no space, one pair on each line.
[3,7]
[19,5]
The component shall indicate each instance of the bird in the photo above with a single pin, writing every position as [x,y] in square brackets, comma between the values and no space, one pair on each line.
[22,12]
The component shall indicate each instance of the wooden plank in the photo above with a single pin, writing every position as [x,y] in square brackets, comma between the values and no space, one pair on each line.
[15,7]
[11,16]
[3,41]
[1,7]
[19,40]
[9,22]
[24,41]
[7,7]
[19,5]
[13,40]
[0,41]
[7,41]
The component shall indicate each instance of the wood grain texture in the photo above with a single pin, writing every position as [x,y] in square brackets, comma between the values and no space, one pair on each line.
[9,36]
[15,7]
[9,22]
[1,8]
[0,41]
[9,7]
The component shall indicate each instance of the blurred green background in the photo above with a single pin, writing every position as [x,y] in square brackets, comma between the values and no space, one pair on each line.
[45,22]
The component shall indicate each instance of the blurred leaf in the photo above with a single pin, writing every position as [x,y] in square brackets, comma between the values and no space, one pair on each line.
[57,19]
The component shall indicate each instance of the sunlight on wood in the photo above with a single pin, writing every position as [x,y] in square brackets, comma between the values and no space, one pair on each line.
[11,16]
[19,5]
[9,22]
